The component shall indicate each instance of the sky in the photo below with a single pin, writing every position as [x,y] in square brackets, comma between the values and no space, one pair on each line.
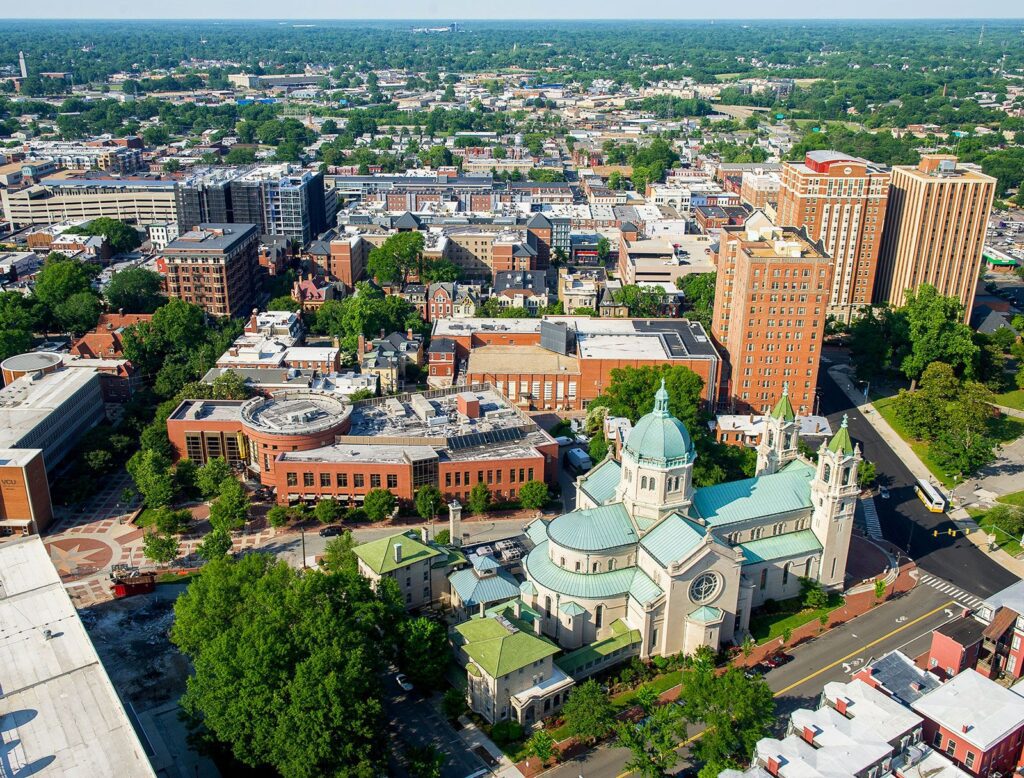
[459,10]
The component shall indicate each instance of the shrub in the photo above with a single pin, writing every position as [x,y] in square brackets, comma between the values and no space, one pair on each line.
[506,732]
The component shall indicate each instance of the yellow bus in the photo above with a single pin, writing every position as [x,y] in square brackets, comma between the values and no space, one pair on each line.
[931,497]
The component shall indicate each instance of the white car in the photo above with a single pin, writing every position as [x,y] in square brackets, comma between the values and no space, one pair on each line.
[403,682]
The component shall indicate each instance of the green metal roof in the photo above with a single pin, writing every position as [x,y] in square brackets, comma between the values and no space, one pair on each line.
[379,555]
[537,531]
[622,637]
[783,408]
[780,546]
[842,441]
[766,495]
[527,587]
[570,608]
[485,562]
[588,586]
[473,590]
[593,529]
[500,650]
[706,614]
[599,484]
[672,539]
[659,437]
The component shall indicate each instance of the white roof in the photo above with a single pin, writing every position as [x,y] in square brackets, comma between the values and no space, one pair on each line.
[977,709]
[873,710]
[60,713]
[27,402]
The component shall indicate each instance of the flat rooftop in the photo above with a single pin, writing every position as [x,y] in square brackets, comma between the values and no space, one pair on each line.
[522,360]
[294,412]
[60,714]
[208,410]
[210,237]
[28,401]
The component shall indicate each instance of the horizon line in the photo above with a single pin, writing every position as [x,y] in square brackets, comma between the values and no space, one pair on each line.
[283,20]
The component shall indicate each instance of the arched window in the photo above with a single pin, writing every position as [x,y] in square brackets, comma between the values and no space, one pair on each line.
[547,607]
[827,473]
[596,567]
[611,564]
[561,562]
[643,482]
[785,573]
[771,437]
[807,567]
[599,616]
[846,475]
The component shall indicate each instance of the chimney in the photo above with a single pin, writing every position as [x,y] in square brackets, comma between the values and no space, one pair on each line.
[517,608]
[361,348]
[408,334]
[482,610]
[536,626]
[425,534]
[965,728]
[382,333]
[773,765]
[233,351]
[455,522]
[398,552]
[841,703]
[808,735]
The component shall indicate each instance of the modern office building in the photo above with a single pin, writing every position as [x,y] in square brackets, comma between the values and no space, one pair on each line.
[934,230]
[841,201]
[771,299]
[214,267]
[276,198]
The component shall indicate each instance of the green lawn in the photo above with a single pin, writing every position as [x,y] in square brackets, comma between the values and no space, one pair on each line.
[1014,399]
[146,518]
[174,578]
[769,626]
[1002,429]
[1014,498]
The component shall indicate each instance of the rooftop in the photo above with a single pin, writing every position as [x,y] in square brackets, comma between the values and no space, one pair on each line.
[521,360]
[211,237]
[593,529]
[293,412]
[61,715]
[977,709]
[499,646]
[381,556]
[29,400]
[767,495]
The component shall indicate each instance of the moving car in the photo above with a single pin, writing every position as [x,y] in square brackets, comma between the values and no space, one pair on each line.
[331,531]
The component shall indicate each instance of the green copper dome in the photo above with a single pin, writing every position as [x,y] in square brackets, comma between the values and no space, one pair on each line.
[659,437]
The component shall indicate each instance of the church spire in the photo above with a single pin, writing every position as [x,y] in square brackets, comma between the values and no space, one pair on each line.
[842,443]
[783,408]
[661,401]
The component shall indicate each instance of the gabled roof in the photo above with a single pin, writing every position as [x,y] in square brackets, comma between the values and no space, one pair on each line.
[441,346]
[706,614]
[407,222]
[379,555]
[593,529]
[599,484]
[672,539]
[784,546]
[539,222]
[767,495]
[502,648]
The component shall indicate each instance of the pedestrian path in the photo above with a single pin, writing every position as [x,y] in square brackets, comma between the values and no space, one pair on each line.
[871,523]
[954,592]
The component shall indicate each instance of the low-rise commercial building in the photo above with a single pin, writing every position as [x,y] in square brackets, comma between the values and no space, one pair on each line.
[310,444]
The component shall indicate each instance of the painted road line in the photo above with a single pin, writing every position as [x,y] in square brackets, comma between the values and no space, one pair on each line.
[864,648]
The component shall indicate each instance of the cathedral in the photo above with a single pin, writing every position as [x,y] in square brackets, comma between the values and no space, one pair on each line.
[680,566]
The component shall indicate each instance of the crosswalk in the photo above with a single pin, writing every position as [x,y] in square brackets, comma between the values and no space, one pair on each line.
[871,524]
[950,590]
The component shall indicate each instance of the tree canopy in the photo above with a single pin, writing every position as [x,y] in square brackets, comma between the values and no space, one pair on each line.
[135,290]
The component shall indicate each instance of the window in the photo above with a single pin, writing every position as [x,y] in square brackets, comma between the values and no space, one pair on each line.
[307,479]
[951,747]
[577,565]
[937,740]
[785,573]
[764,578]
[325,480]
[375,480]
[392,481]
[1015,643]
[598,616]
[596,567]
[341,479]
[704,587]
[969,760]
[357,481]
[293,479]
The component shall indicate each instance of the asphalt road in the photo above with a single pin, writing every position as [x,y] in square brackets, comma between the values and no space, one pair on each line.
[904,519]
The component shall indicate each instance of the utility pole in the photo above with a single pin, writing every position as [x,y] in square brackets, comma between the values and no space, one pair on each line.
[303,532]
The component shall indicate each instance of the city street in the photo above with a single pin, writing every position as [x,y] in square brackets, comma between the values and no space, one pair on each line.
[904,519]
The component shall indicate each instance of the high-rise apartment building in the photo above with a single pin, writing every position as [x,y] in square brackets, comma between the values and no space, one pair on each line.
[934,230]
[771,299]
[214,267]
[841,201]
[277,199]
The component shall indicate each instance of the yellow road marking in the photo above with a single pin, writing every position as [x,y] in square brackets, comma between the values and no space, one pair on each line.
[826,668]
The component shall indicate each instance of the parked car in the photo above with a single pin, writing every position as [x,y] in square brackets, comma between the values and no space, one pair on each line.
[883,492]
[403,682]
[755,670]
[778,660]
[331,531]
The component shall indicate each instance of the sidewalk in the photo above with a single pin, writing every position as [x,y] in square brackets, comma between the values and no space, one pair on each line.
[960,516]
